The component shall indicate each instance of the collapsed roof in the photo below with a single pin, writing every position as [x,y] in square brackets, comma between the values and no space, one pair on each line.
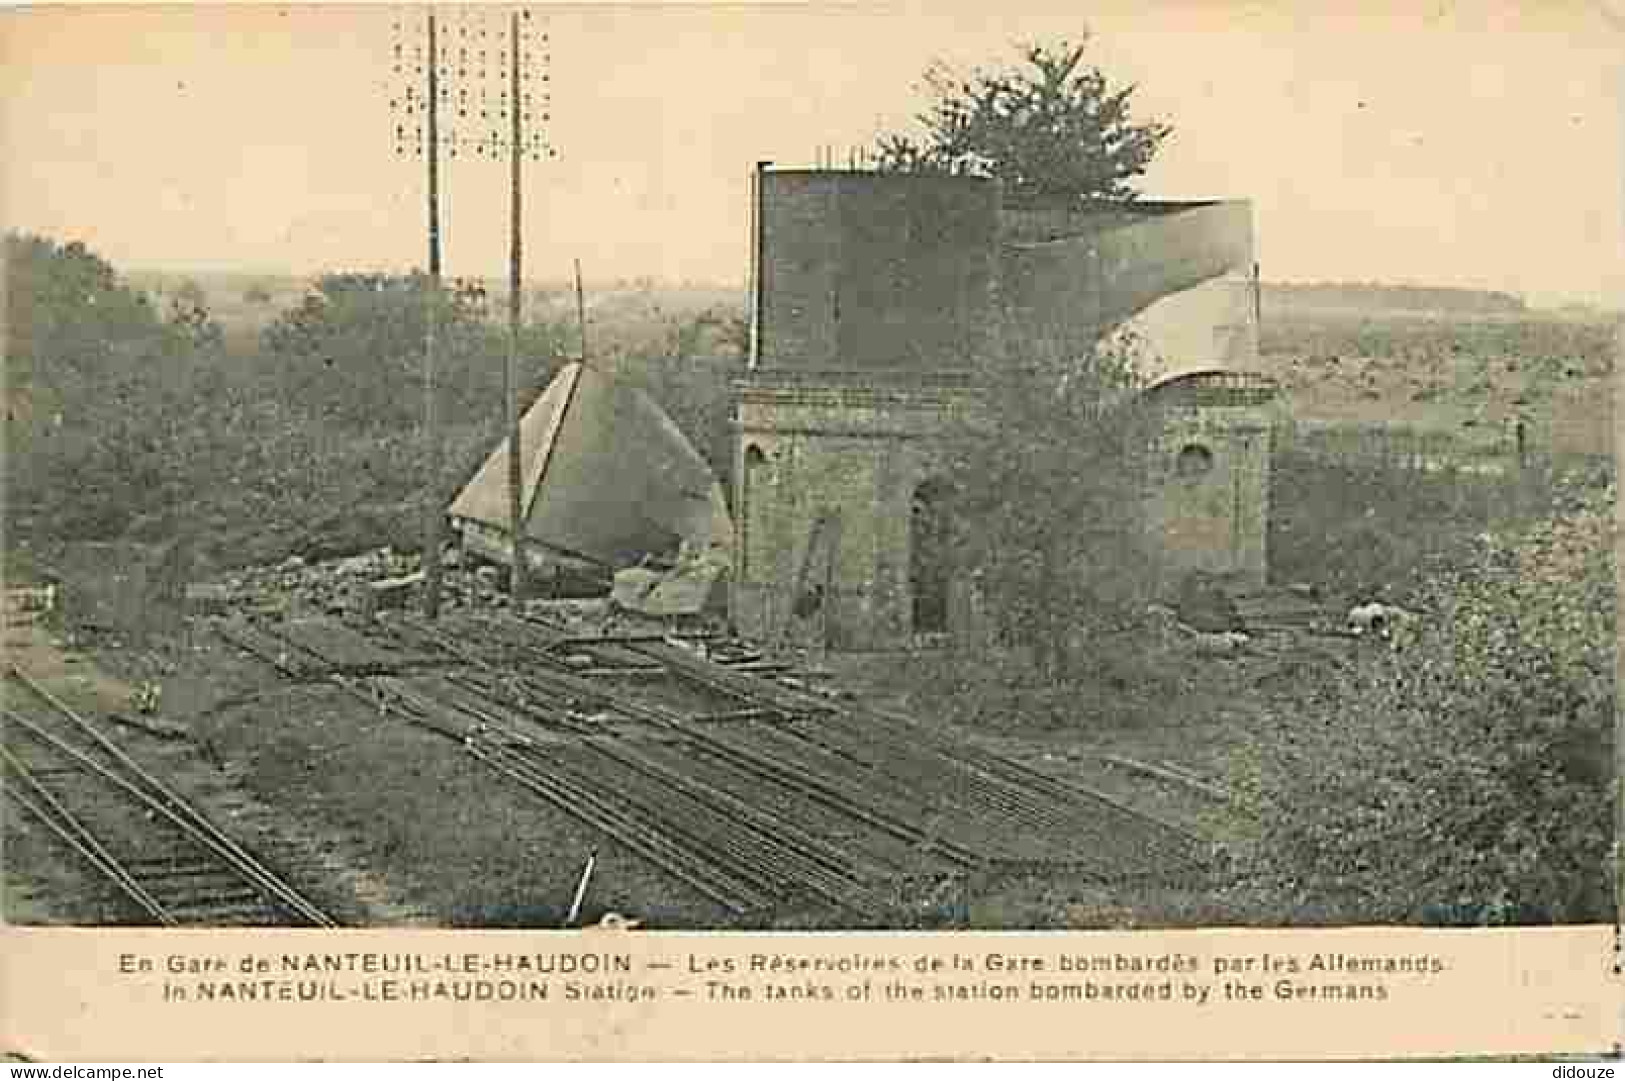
[607,477]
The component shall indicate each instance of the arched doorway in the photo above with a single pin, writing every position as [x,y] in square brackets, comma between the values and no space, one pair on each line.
[751,489]
[930,567]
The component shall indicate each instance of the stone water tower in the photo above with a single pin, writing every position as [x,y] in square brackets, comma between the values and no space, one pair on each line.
[879,300]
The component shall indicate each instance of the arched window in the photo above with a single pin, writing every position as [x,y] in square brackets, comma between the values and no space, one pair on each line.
[1193,462]
[930,557]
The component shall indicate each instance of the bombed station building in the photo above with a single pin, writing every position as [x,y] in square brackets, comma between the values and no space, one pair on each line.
[878,300]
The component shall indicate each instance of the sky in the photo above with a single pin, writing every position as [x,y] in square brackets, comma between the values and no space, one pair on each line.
[1473,144]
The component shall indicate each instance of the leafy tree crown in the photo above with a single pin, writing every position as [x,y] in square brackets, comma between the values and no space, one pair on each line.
[1050,126]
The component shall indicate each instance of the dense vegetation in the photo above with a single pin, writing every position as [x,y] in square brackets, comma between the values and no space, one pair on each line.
[130,418]
[105,397]
[1464,775]
[1042,482]
[352,351]
[129,423]
[1365,529]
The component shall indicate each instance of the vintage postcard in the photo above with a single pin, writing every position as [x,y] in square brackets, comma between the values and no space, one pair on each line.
[810,531]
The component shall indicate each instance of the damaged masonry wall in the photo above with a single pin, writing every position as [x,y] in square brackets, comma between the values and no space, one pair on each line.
[855,450]
[877,298]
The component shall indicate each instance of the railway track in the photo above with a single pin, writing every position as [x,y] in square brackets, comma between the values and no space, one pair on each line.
[165,861]
[757,792]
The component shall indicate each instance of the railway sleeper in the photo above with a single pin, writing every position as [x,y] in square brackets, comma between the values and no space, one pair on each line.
[236,913]
[214,898]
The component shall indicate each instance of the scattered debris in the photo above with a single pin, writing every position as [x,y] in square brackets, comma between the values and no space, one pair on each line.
[632,587]
[1167,772]
[1223,643]
[1205,604]
[151,726]
[209,598]
[1175,631]
[389,593]
[614,921]
[30,601]
[146,697]
[581,889]
[1382,620]
[692,587]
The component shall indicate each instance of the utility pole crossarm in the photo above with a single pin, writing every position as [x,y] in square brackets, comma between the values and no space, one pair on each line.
[458,96]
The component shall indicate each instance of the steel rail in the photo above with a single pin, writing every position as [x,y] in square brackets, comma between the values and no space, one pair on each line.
[832,796]
[198,829]
[700,841]
[771,827]
[1085,799]
[779,844]
[44,806]
[686,825]
[183,813]
[864,864]
[1069,805]
[685,820]
[900,759]
[991,796]
[569,799]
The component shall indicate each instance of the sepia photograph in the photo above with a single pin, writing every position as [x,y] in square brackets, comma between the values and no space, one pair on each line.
[810,467]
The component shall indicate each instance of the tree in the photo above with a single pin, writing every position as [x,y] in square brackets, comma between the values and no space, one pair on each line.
[1046,471]
[68,315]
[690,373]
[1051,126]
[352,350]
[1465,777]
[189,315]
[1045,474]
[117,399]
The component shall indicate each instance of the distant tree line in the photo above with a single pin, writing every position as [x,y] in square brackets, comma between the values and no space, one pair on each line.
[1392,297]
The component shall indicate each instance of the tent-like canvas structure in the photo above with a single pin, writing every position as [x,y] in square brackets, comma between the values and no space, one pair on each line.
[608,479]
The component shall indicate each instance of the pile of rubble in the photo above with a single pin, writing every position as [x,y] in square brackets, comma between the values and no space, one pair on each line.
[371,581]
[384,579]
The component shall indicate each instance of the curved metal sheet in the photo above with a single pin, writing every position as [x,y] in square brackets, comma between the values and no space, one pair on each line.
[607,474]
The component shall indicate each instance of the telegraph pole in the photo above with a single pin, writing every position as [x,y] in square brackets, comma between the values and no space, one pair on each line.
[581,312]
[516,157]
[487,110]
[431,434]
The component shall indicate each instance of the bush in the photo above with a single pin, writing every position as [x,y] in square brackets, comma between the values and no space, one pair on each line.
[690,371]
[1044,483]
[1462,776]
[1365,528]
